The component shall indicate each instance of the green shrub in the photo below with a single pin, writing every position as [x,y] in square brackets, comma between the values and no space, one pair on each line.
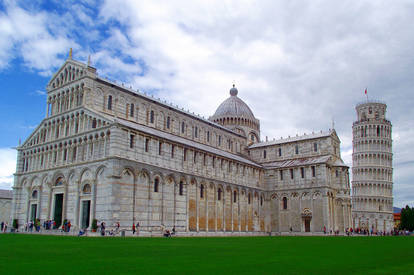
[15,224]
[94,224]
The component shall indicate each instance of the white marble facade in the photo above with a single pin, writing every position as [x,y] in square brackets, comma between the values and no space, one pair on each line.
[110,153]
[372,199]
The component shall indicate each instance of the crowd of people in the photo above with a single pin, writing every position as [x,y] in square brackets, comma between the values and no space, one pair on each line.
[116,229]
[366,232]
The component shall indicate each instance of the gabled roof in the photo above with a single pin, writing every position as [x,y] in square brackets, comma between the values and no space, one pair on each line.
[184,141]
[6,194]
[294,139]
[93,113]
[70,61]
[297,162]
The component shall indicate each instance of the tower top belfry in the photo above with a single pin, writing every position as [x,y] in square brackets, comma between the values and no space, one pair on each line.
[371,110]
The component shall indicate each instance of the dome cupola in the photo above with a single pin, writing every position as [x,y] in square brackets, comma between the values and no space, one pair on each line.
[234,114]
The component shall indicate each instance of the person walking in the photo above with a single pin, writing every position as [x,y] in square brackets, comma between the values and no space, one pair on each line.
[133,228]
[102,229]
[137,228]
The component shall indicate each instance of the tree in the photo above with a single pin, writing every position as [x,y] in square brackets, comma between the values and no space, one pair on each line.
[407,218]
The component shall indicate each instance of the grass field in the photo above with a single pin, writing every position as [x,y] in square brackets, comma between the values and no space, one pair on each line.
[235,255]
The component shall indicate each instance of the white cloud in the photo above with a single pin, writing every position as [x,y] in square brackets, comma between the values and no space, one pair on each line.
[30,35]
[7,168]
[297,64]
[40,92]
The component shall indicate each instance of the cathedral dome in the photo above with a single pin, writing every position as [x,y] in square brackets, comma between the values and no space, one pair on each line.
[234,107]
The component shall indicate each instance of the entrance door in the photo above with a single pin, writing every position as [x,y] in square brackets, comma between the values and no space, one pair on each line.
[86,210]
[57,217]
[307,225]
[33,212]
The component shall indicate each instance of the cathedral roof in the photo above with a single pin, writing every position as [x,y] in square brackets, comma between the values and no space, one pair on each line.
[184,141]
[165,104]
[6,194]
[297,162]
[233,107]
[292,139]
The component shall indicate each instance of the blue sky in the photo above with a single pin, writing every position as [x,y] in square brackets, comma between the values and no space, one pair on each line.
[298,64]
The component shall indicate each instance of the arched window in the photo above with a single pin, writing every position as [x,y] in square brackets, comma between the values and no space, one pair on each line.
[208,136]
[34,194]
[156,182]
[168,122]
[296,149]
[182,127]
[110,102]
[249,197]
[201,191]
[234,196]
[378,131]
[261,201]
[94,123]
[284,203]
[146,144]
[363,116]
[181,188]
[196,132]
[219,191]
[86,189]
[59,181]
[131,111]
[152,117]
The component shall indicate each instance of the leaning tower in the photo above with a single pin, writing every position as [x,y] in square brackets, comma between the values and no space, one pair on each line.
[372,201]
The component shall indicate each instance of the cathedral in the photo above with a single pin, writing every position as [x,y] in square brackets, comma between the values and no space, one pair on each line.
[109,153]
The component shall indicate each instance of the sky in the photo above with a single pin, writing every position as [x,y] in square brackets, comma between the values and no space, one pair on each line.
[301,66]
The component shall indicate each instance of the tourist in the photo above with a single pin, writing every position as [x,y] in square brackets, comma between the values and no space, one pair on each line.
[324,229]
[137,227]
[133,228]
[69,225]
[173,230]
[2,225]
[102,229]
[37,225]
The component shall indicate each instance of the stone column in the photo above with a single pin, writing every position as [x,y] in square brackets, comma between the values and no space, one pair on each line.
[93,202]
[77,206]
[197,204]
[206,204]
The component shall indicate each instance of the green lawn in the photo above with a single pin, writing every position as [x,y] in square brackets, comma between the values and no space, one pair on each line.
[235,255]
